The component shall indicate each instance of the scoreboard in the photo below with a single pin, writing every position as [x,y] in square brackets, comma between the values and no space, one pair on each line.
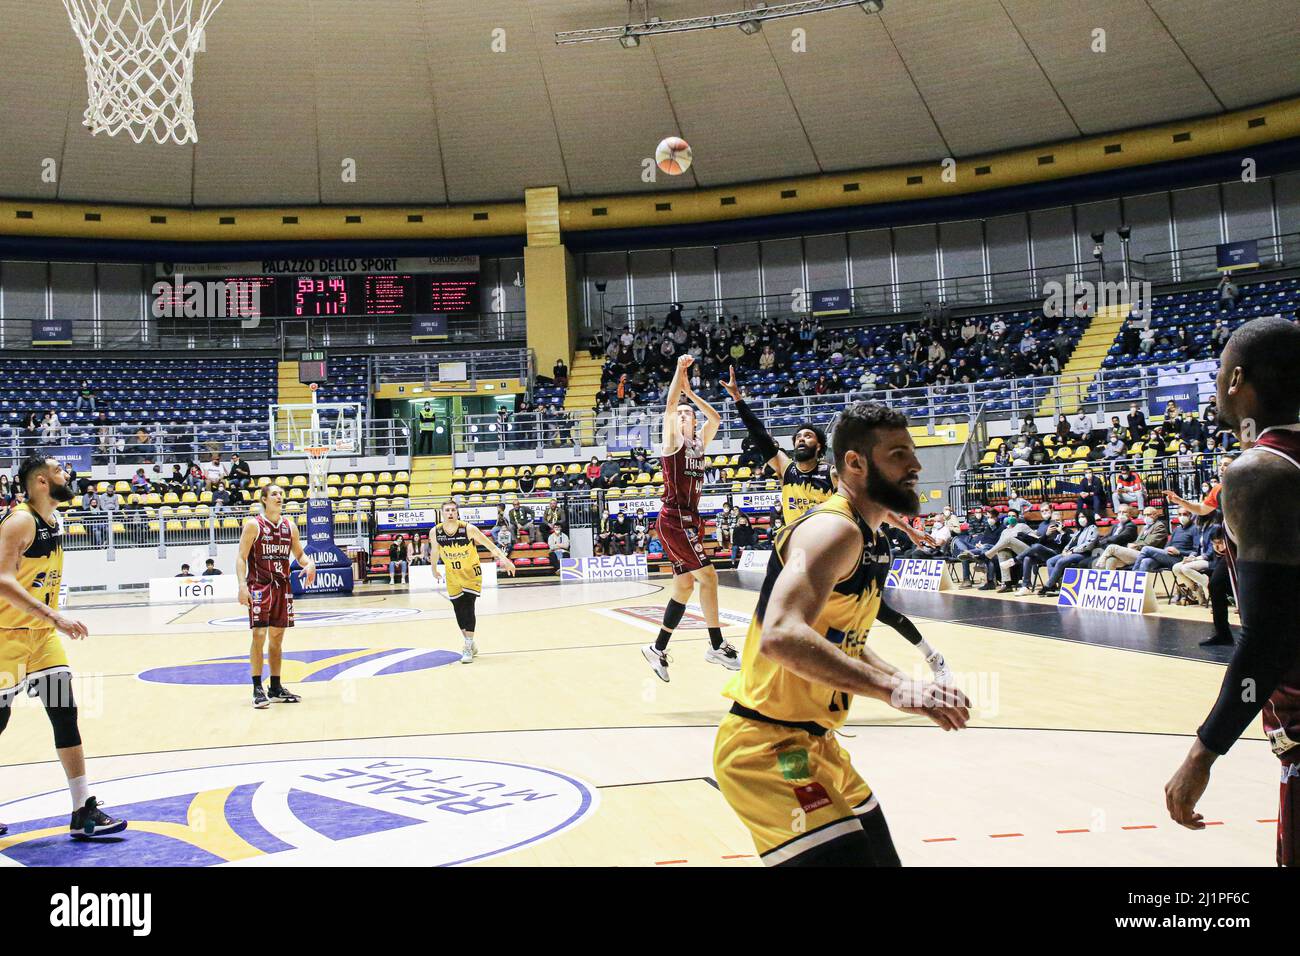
[321,296]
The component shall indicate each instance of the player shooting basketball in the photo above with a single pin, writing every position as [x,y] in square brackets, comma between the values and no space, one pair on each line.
[806,482]
[679,524]
[1258,397]
[267,541]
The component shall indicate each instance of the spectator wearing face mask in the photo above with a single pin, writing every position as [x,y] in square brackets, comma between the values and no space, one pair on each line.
[1051,538]
[1128,489]
[1192,571]
[1091,494]
[1181,543]
[1077,551]
[981,534]
[1154,534]
[1000,561]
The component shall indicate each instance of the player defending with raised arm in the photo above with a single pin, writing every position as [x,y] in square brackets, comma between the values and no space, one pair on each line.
[776,759]
[456,543]
[265,545]
[1259,399]
[31,654]
[679,524]
[807,481]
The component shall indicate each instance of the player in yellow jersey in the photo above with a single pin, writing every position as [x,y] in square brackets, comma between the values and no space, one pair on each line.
[31,654]
[806,482]
[776,759]
[456,543]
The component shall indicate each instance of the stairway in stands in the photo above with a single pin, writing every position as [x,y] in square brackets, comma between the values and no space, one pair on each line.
[1085,361]
[580,398]
[431,476]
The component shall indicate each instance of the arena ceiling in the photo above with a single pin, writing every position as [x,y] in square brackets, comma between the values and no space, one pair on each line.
[413,91]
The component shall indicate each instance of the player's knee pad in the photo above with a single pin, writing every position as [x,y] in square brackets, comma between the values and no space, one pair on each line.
[673,613]
[466,619]
[55,692]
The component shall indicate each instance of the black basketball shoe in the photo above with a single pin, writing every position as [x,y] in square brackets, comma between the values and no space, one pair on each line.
[90,822]
[282,695]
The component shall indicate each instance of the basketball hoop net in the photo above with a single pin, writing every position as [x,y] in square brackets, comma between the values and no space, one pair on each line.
[318,469]
[140,66]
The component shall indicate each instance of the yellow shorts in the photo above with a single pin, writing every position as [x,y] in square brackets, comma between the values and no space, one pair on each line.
[471,583]
[28,653]
[794,791]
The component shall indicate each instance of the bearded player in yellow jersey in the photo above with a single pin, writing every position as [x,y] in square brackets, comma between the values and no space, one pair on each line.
[807,481]
[31,655]
[776,759]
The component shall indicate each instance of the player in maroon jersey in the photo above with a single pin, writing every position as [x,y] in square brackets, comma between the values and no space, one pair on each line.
[679,524]
[263,572]
[1259,399]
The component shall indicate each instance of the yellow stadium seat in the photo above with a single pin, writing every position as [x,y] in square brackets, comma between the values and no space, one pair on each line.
[508,471]
[333,481]
[383,491]
[153,498]
[76,501]
[153,526]
[263,480]
[368,478]
[492,485]
[643,479]
[301,521]
[400,489]
[346,505]
[229,522]
[406,476]
[297,494]
[123,486]
[574,468]
[293,506]
[366,491]
[185,510]
[298,481]
[385,477]
[460,473]
[349,479]
[171,498]
[543,483]
[458,486]
[988,458]
[193,524]
[174,525]
[331,492]
[476,485]
[492,472]
[475,473]
[77,529]
[348,492]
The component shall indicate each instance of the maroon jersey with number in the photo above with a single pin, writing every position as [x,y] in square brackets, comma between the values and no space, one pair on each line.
[268,562]
[1281,713]
[683,477]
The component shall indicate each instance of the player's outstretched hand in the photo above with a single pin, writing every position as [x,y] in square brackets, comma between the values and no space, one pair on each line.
[74,629]
[309,573]
[506,565]
[243,597]
[946,706]
[732,388]
[685,361]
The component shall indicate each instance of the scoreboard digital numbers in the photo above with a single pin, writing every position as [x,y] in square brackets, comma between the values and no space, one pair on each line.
[323,296]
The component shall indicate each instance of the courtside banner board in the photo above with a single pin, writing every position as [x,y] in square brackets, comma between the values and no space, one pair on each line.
[188,590]
[753,560]
[421,577]
[609,567]
[709,504]
[1120,592]
[917,574]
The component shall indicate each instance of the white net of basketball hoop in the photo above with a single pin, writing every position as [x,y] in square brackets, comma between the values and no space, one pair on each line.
[140,64]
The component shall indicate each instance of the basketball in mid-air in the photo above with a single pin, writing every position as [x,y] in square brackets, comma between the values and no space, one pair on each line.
[673,155]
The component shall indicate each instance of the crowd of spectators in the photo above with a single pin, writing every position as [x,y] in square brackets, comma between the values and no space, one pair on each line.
[938,350]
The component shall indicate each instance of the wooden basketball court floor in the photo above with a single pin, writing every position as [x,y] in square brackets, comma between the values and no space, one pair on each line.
[559,747]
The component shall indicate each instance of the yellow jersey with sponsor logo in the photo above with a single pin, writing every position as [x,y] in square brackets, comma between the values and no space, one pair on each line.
[40,572]
[801,491]
[764,685]
[459,558]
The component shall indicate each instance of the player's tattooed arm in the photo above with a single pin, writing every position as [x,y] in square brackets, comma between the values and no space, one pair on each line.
[305,561]
[17,533]
[1263,510]
[822,551]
